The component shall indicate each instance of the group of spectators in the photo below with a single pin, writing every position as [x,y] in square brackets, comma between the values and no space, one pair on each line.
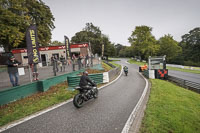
[80,60]
[61,62]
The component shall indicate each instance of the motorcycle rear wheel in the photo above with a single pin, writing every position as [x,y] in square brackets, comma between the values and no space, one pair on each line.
[78,101]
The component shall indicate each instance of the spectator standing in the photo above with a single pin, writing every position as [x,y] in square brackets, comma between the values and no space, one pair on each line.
[63,62]
[79,62]
[92,57]
[13,70]
[54,64]
[87,61]
[82,60]
[73,61]
[34,71]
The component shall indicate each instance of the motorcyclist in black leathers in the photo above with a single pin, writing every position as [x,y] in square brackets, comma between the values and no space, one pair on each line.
[84,81]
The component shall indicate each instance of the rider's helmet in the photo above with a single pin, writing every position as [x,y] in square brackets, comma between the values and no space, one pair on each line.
[86,73]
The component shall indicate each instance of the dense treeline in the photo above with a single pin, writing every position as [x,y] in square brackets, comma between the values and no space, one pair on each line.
[144,44]
[17,15]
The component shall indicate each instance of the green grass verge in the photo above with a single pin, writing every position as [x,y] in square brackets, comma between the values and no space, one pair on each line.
[106,66]
[34,103]
[136,62]
[171,109]
[115,64]
[183,70]
[170,68]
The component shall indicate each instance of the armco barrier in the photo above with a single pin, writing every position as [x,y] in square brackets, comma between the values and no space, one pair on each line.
[73,81]
[45,84]
[185,83]
[15,93]
[18,92]
[112,73]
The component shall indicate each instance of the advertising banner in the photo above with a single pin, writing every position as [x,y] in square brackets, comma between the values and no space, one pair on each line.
[32,45]
[67,46]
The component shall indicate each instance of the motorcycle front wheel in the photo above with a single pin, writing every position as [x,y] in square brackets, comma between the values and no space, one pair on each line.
[95,95]
[78,101]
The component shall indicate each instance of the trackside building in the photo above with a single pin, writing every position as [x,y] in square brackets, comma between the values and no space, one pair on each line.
[48,51]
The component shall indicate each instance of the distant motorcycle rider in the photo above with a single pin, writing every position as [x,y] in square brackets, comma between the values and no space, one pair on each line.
[125,69]
[85,80]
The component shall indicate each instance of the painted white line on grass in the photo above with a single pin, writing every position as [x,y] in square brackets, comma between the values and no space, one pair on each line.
[135,110]
[46,110]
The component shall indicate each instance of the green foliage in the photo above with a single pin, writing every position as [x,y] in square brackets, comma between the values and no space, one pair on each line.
[93,35]
[136,62]
[126,52]
[191,45]
[55,43]
[169,47]
[118,47]
[17,15]
[143,42]
[171,109]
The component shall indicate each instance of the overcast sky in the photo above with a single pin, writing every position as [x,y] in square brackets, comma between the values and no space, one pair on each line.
[118,18]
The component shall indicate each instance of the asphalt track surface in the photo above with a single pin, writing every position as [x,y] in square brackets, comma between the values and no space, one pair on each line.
[185,75]
[106,114]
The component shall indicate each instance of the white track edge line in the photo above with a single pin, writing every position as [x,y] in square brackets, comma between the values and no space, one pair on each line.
[133,113]
[3,128]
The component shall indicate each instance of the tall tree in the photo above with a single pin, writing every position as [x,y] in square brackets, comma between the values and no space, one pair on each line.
[55,43]
[93,35]
[17,15]
[126,51]
[191,45]
[118,47]
[109,49]
[169,47]
[143,42]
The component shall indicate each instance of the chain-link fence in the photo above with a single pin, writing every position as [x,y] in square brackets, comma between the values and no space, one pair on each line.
[26,73]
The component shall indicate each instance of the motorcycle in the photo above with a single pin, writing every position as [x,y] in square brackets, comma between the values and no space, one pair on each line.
[126,72]
[84,95]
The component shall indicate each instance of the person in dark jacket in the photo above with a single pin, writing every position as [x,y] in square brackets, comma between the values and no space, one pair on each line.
[85,80]
[13,70]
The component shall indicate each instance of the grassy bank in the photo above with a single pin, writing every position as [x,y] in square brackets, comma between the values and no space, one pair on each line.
[115,64]
[171,109]
[184,70]
[136,62]
[34,103]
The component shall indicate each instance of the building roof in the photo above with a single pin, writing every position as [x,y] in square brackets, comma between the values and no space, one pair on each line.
[46,48]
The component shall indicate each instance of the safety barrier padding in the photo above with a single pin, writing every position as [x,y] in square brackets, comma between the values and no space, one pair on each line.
[15,93]
[18,92]
[73,81]
[161,73]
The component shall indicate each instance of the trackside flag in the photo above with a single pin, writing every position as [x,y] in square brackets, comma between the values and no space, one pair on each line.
[32,45]
[67,46]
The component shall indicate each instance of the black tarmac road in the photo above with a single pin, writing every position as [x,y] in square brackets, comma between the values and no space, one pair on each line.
[185,75]
[106,114]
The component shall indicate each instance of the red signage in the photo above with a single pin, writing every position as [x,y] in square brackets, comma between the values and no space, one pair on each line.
[22,50]
[14,51]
